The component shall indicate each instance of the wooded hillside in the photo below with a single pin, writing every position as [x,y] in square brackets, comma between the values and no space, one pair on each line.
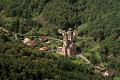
[99,19]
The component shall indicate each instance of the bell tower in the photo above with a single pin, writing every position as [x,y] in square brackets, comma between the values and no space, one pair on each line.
[69,47]
[70,35]
[65,39]
[65,44]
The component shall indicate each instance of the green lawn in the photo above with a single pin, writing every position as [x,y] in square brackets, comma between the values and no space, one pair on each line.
[77,60]
[58,55]
[83,26]
[94,49]
[116,78]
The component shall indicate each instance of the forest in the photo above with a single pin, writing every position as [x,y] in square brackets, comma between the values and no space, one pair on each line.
[97,19]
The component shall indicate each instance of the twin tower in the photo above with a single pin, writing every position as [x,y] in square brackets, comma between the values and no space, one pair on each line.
[69,47]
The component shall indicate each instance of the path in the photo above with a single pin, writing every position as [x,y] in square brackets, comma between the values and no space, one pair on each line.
[55,39]
[62,40]
[50,38]
[84,58]
[5,30]
[83,38]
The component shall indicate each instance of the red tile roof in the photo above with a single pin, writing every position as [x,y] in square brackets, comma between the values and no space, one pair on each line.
[44,39]
[43,48]
[110,72]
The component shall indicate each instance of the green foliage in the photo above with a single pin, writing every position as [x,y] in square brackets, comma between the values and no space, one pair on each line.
[98,19]
[65,15]
[94,59]
[18,61]
[4,37]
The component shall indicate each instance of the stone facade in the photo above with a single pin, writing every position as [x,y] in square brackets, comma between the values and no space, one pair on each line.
[69,47]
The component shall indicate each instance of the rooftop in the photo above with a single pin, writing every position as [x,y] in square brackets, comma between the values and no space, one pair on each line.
[43,48]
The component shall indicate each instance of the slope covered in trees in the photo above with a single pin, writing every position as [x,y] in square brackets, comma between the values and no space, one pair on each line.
[102,17]
[99,19]
[17,61]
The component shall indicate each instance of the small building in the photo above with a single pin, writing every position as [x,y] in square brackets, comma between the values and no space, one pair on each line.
[26,40]
[44,39]
[75,32]
[109,73]
[101,69]
[118,37]
[32,43]
[43,48]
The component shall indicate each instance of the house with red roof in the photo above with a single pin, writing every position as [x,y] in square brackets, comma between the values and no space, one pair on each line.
[43,48]
[109,73]
[44,39]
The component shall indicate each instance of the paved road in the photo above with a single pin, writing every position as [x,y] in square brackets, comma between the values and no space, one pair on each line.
[62,40]
[79,55]
[55,39]
[5,30]
[84,58]
[51,38]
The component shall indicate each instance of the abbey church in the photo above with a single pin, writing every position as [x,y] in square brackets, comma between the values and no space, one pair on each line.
[68,48]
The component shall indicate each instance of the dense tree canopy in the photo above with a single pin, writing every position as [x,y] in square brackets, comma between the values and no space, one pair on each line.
[18,61]
[99,19]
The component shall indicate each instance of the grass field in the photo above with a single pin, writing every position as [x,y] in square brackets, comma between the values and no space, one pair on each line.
[78,60]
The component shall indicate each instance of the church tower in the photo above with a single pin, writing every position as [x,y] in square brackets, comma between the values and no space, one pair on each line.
[65,39]
[69,47]
[65,44]
[70,36]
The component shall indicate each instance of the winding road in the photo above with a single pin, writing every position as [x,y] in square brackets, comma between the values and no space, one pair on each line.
[79,55]
[5,30]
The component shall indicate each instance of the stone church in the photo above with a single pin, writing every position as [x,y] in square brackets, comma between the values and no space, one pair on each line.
[69,47]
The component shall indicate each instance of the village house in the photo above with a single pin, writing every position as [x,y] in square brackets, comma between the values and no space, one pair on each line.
[118,37]
[29,42]
[26,40]
[43,48]
[44,39]
[103,71]
[109,73]
[75,32]
[99,68]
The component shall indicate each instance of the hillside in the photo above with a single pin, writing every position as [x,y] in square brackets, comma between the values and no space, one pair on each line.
[96,19]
